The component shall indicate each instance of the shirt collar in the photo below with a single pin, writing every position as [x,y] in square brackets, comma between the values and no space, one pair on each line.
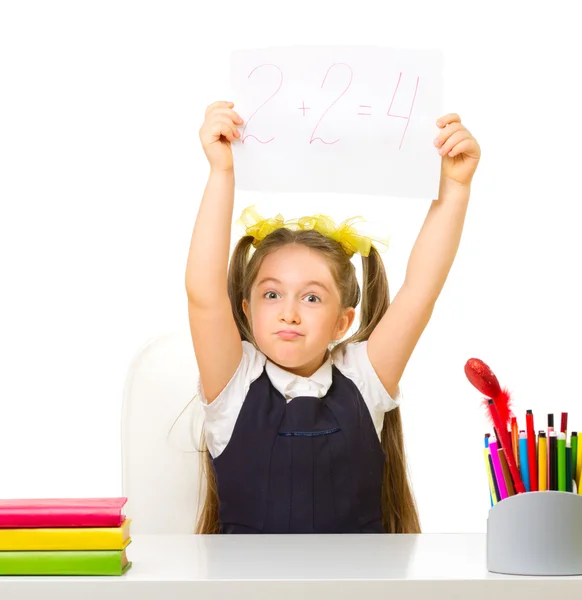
[291,385]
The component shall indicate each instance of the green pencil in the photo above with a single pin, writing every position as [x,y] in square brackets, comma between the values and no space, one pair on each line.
[569,475]
[574,444]
[561,461]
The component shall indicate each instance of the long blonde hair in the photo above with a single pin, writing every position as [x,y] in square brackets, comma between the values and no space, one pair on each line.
[399,513]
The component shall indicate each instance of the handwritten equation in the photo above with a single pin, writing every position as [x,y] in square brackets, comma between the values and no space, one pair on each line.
[303,108]
[337,119]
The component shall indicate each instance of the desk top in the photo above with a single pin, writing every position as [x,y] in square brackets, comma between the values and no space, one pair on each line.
[258,566]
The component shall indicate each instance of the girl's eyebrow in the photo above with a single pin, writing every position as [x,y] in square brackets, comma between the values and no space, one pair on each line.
[312,282]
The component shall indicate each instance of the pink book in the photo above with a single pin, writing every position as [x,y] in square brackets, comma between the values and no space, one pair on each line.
[62,512]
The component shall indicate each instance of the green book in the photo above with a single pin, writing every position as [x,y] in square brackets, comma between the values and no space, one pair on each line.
[64,562]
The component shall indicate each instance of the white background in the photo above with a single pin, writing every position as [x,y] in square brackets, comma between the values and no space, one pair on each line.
[101,174]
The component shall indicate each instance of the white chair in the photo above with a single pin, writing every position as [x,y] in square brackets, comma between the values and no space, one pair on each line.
[161,470]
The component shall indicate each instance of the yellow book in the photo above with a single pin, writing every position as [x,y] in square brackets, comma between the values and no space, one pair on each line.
[66,538]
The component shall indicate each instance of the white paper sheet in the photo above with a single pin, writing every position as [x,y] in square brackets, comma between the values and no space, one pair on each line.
[338,119]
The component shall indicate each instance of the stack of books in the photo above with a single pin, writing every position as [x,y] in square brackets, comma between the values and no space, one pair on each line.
[70,536]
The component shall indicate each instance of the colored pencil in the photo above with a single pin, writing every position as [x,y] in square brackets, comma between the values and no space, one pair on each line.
[492,495]
[497,469]
[561,461]
[515,440]
[489,477]
[506,444]
[549,462]
[542,461]
[574,444]
[523,460]
[531,451]
[506,474]
[495,485]
[569,478]
[564,424]
[553,462]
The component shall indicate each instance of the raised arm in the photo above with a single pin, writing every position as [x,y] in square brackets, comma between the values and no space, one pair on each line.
[393,340]
[217,343]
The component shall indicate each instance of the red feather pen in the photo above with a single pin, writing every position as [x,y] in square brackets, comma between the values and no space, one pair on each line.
[498,410]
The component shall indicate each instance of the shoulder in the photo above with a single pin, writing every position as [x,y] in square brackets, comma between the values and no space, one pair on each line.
[220,415]
[353,362]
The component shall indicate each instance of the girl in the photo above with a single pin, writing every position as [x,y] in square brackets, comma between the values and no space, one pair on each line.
[303,431]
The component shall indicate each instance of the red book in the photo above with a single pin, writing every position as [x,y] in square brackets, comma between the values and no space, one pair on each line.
[62,512]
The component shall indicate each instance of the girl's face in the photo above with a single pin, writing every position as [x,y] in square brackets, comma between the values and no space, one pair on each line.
[295,309]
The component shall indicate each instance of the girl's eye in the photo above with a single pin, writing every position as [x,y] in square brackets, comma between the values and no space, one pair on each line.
[267,294]
[317,299]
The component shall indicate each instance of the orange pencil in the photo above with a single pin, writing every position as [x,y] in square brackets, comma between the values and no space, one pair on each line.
[506,473]
[515,440]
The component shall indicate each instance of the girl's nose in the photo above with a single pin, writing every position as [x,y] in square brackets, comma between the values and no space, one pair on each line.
[290,313]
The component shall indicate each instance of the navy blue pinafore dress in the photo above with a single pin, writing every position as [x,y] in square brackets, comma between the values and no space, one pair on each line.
[311,465]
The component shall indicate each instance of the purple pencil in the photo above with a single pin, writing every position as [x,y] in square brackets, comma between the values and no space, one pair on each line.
[493,446]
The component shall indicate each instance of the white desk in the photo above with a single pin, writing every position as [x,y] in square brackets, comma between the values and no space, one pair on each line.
[300,567]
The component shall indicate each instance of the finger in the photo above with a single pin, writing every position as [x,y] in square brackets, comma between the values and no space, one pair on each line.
[224,127]
[231,114]
[453,140]
[229,123]
[219,104]
[461,147]
[446,133]
[211,132]
[218,117]
[447,119]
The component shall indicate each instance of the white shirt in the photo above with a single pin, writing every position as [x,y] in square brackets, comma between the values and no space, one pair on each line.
[222,414]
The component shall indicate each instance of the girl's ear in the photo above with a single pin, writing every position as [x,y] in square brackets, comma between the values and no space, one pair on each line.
[345,322]
[246,309]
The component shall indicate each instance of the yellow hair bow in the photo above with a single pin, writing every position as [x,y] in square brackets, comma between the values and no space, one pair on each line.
[344,233]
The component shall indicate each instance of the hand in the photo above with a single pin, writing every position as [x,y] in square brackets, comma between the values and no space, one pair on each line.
[459,149]
[217,132]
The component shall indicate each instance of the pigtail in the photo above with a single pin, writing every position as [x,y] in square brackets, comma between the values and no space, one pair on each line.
[208,520]
[235,284]
[399,512]
[375,297]
[375,294]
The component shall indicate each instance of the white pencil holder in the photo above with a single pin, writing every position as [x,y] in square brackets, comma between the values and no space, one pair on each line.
[536,533]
